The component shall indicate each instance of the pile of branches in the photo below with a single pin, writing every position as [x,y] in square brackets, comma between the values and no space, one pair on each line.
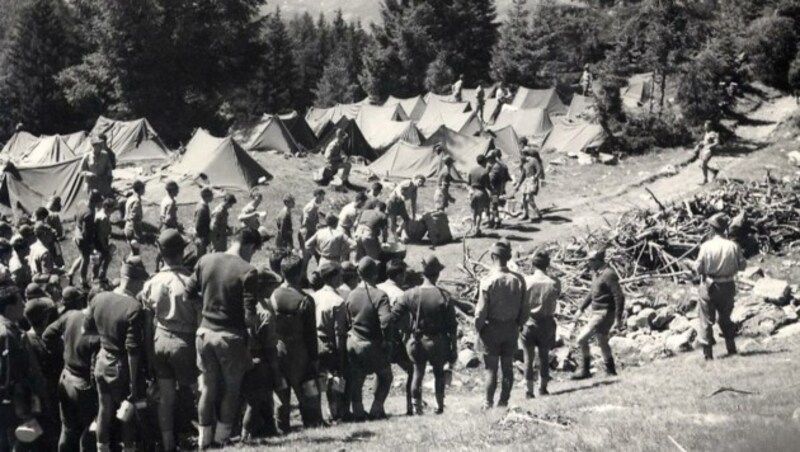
[646,245]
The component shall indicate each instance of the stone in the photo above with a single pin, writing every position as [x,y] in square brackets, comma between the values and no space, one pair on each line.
[688,304]
[468,359]
[765,322]
[679,324]
[743,312]
[585,159]
[564,361]
[624,346]
[772,290]
[680,342]
[796,416]
[791,313]
[630,322]
[644,318]
[788,331]
[663,318]
[794,158]
[608,159]
[753,273]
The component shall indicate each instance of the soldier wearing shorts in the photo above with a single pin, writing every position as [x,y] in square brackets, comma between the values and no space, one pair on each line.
[530,180]
[174,313]
[499,316]
[705,151]
[539,332]
[478,179]
[133,213]
[228,285]
[118,319]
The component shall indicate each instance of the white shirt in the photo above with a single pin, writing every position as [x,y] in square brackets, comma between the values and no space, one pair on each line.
[392,291]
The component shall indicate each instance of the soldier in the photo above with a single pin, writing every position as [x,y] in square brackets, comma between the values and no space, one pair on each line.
[219,224]
[499,316]
[608,306]
[102,225]
[396,204]
[717,264]
[133,213]
[335,156]
[368,344]
[298,355]
[498,178]
[85,238]
[371,231]
[539,331]
[284,239]
[202,222]
[309,219]
[250,217]
[168,215]
[348,216]
[118,319]
[705,151]
[479,200]
[433,338]
[40,259]
[173,313]
[331,243]
[393,287]
[97,167]
[530,180]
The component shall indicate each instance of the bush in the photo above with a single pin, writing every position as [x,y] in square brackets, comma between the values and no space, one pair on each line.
[770,45]
[699,92]
[644,132]
[794,74]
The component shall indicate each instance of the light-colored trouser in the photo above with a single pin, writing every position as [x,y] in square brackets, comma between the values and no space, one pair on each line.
[599,325]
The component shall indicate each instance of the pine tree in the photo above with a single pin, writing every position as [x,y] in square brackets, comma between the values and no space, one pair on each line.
[278,70]
[439,76]
[512,62]
[38,49]
[309,61]
[335,86]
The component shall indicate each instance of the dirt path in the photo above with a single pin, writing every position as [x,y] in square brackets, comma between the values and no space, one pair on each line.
[574,216]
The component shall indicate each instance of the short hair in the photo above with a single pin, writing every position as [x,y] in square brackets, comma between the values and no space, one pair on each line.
[292,267]
[331,221]
[395,268]
[95,197]
[138,185]
[380,206]
[109,202]
[319,192]
[481,159]
[9,295]
[275,260]
[287,199]
[41,213]
[206,191]
[249,236]
[376,186]
[361,197]
[230,199]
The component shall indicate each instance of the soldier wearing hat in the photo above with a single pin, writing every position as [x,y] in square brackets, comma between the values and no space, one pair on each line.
[228,285]
[429,314]
[298,353]
[368,341]
[608,306]
[479,201]
[499,316]
[171,325]
[118,319]
[168,214]
[331,337]
[717,264]
[97,167]
[541,297]
[219,224]
[133,213]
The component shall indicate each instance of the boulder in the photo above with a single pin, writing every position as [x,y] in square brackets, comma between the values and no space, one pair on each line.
[468,359]
[688,304]
[680,324]
[608,159]
[623,346]
[772,290]
[680,342]
[564,361]
[662,318]
[585,159]
[765,322]
[643,318]
[791,313]
[794,158]
[753,273]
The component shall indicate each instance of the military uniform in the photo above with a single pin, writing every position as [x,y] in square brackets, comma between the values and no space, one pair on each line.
[202,228]
[260,381]
[331,245]
[219,228]
[608,304]
[371,225]
[331,315]
[133,217]
[539,332]
[168,213]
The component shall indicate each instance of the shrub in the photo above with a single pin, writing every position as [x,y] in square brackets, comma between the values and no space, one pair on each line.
[771,44]
[794,74]
[644,132]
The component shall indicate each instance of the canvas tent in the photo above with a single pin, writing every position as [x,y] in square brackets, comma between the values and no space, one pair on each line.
[222,160]
[413,106]
[455,115]
[51,149]
[639,90]
[268,134]
[580,105]
[546,99]
[506,140]
[464,149]
[19,144]
[74,140]
[300,130]
[383,126]
[23,143]
[531,123]
[319,118]
[131,141]
[406,160]
[25,188]
[356,146]
[573,137]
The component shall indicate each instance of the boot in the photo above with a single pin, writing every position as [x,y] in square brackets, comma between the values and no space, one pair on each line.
[730,344]
[529,392]
[586,369]
[417,406]
[611,367]
[505,391]
[439,403]
[708,352]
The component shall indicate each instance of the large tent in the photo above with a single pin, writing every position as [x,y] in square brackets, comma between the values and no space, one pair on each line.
[573,137]
[221,160]
[406,160]
[268,134]
[74,140]
[413,106]
[457,116]
[464,149]
[384,126]
[531,123]
[25,188]
[23,143]
[546,99]
[506,140]
[320,118]
[580,105]
[639,90]
[356,145]
[51,149]
[131,141]
[300,130]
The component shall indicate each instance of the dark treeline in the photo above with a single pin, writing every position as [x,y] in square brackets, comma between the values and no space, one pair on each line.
[207,63]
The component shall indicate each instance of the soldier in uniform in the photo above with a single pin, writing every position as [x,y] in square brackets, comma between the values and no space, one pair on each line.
[530,180]
[133,213]
[539,332]
[219,224]
[202,222]
[393,287]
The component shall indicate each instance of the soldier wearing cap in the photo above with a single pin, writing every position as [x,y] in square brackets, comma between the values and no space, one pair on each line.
[499,316]
[202,222]
[331,337]
[393,287]
[118,319]
[77,398]
[541,297]
[396,204]
[228,285]
[429,313]
[718,262]
[298,354]
[133,213]
[531,177]
[368,341]
[170,327]
[608,306]
[168,214]
[331,243]
[97,167]
[478,179]
[371,231]
[219,224]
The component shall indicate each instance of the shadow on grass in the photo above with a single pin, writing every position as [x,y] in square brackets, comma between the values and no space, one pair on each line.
[596,384]
[762,352]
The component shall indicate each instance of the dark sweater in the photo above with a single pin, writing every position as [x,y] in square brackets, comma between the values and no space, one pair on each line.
[118,320]
[606,292]
[78,347]
[228,286]
[369,313]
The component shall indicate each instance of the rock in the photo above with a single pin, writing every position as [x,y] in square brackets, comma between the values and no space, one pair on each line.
[788,331]
[753,273]
[772,290]
[680,342]
[663,318]
[630,322]
[668,170]
[636,308]
[468,359]
[687,305]
[796,416]
[585,159]
[680,324]
[643,319]
[743,312]
[765,322]
[791,314]
[564,360]
[624,346]
[794,158]
[608,159]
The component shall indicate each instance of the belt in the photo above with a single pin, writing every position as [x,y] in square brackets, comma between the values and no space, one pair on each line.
[719,279]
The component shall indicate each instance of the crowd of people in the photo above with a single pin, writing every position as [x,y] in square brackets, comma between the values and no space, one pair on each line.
[203,345]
